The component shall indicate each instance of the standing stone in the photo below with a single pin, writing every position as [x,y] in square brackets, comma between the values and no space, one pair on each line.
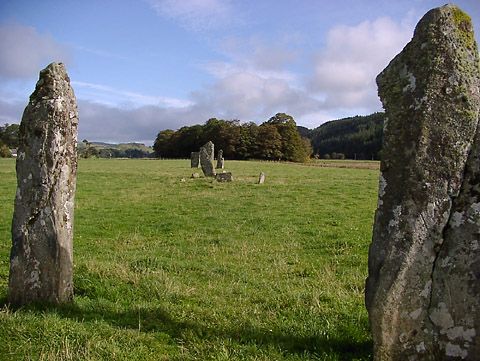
[207,159]
[220,160]
[195,159]
[261,178]
[423,289]
[41,260]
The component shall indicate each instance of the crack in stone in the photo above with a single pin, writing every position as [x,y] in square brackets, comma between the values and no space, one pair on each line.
[442,245]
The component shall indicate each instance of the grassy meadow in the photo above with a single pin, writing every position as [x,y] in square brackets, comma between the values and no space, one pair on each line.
[172,269]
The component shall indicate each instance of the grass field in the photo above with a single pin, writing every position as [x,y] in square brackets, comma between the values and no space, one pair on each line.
[166,269]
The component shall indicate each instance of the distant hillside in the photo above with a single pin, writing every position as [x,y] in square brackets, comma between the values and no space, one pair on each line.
[357,137]
[121,146]
[107,150]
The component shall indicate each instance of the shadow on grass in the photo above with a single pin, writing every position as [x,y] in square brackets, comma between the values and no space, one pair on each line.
[158,320]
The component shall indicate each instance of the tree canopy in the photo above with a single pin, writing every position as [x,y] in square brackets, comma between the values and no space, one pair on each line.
[9,135]
[275,139]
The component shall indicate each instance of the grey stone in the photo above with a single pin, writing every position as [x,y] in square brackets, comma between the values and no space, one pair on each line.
[224,177]
[422,292]
[41,260]
[207,159]
[261,178]
[195,160]
[220,160]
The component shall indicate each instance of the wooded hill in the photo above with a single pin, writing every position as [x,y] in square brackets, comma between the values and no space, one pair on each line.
[88,149]
[358,137]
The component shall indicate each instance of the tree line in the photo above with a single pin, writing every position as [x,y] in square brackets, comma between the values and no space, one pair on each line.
[279,138]
[275,139]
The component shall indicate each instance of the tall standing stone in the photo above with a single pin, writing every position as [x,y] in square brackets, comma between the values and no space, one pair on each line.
[423,289]
[220,160]
[195,159]
[41,260]
[207,154]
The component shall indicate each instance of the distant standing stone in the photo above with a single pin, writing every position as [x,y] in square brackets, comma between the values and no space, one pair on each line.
[261,178]
[41,260]
[423,288]
[220,160]
[195,159]
[207,159]
[224,177]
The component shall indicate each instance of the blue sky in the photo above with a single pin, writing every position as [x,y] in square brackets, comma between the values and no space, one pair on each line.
[141,66]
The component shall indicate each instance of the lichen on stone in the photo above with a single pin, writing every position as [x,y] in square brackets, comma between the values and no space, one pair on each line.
[423,288]
[464,25]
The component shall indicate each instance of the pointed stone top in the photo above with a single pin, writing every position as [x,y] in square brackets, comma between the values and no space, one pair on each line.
[442,54]
[452,21]
[52,80]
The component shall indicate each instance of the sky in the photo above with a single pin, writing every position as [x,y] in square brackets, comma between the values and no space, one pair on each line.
[141,66]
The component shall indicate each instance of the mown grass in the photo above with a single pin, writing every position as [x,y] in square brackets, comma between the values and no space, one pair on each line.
[166,269]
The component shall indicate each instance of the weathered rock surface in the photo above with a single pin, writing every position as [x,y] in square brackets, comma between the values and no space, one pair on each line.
[207,159]
[224,177]
[423,291]
[195,159]
[455,289]
[220,160]
[41,261]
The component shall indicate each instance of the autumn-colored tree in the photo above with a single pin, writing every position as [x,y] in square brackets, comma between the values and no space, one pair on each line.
[307,143]
[293,148]
[4,151]
[268,143]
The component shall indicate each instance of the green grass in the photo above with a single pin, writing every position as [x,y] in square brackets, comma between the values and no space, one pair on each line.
[166,269]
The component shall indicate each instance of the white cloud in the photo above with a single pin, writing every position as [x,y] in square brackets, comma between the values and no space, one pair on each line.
[122,98]
[256,83]
[250,97]
[24,52]
[260,80]
[344,73]
[198,15]
[98,122]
